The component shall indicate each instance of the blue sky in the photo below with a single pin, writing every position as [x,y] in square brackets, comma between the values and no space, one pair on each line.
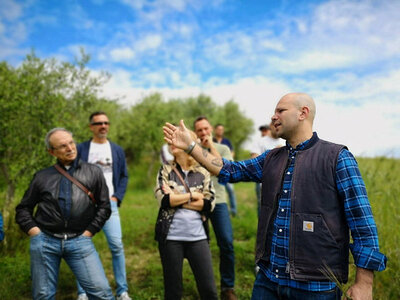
[345,54]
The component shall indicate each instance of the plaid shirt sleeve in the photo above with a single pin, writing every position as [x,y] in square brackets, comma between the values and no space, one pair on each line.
[351,188]
[246,170]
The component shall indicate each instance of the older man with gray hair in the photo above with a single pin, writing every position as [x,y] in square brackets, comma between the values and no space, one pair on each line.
[71,201]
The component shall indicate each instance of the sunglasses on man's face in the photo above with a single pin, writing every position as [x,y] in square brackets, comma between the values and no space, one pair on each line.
[100,123]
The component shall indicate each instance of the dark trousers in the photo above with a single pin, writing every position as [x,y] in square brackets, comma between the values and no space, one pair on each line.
[199,256]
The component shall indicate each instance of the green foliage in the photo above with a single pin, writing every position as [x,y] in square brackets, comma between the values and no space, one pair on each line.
[237,127]
[383,186]
[35,97]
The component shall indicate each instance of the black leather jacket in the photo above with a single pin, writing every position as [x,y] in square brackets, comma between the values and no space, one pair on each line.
[43,193]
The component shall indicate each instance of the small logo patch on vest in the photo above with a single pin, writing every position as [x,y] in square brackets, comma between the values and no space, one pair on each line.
[308,226]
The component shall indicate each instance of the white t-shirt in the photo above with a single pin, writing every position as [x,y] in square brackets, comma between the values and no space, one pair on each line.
[100,154]
[266,143]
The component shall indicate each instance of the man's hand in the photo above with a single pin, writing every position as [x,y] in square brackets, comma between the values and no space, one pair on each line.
[34,231]
[115,199]
[87,233]
[180,138]
[177,136]
[207,141]
[362,288]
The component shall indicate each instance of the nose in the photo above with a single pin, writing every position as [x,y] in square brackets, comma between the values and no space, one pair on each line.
[70,146]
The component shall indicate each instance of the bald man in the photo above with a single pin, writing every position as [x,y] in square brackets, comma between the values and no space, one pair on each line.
[312,196]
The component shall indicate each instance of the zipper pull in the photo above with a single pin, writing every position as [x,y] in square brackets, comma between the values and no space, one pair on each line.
[287,267]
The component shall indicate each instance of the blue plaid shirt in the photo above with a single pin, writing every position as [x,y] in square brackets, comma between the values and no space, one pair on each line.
[351,188]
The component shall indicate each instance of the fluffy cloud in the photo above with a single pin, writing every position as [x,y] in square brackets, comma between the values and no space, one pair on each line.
[122,54]
[10,10]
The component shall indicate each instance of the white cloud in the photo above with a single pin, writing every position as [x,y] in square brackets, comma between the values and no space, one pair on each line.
[360,30]
[272,45]
[122,54]
[184,30]
[368,129]
[149,42]
[336,35]
[178,5]
[311,61]
[82,20]
[10,10]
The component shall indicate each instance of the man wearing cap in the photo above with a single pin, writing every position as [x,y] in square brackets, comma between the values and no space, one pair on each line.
[65,220]
[267,141]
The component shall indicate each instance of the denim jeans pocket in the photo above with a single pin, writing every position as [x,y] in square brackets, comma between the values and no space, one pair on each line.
[85,237]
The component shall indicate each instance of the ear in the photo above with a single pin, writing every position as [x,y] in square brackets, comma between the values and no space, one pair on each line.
[51,152]
[304,112]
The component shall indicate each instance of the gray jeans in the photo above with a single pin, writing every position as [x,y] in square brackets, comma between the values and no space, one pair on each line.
[199,256]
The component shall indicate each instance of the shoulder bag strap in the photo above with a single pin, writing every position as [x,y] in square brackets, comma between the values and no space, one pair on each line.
[181,179]
[183,182]
[76,182]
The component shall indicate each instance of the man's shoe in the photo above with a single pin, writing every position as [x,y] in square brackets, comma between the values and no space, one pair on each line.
[228,294]
[82,297]
[124,296]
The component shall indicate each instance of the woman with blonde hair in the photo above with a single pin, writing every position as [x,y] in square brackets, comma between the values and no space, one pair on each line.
[186,195]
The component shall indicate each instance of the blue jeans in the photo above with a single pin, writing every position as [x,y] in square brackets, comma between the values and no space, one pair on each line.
[113,232]
[80,255]
[232,197]
[265,289]
[221,223]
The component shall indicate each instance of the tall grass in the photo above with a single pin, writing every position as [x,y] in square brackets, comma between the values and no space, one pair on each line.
[138,215]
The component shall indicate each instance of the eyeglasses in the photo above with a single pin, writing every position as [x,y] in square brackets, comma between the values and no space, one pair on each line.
[64,146]
[100,123]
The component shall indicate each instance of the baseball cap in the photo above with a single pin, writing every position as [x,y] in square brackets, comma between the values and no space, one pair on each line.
[263,127]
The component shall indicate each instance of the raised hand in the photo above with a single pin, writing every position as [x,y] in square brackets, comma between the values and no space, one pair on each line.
[177,136]
[207,141]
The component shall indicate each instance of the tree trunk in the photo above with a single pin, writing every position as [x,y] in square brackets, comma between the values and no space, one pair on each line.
[8,204]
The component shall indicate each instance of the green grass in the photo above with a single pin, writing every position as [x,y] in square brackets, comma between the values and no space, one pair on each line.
[138,215]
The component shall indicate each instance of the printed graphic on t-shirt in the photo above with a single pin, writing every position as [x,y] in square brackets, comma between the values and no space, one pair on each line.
[100,154]
[104,163]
